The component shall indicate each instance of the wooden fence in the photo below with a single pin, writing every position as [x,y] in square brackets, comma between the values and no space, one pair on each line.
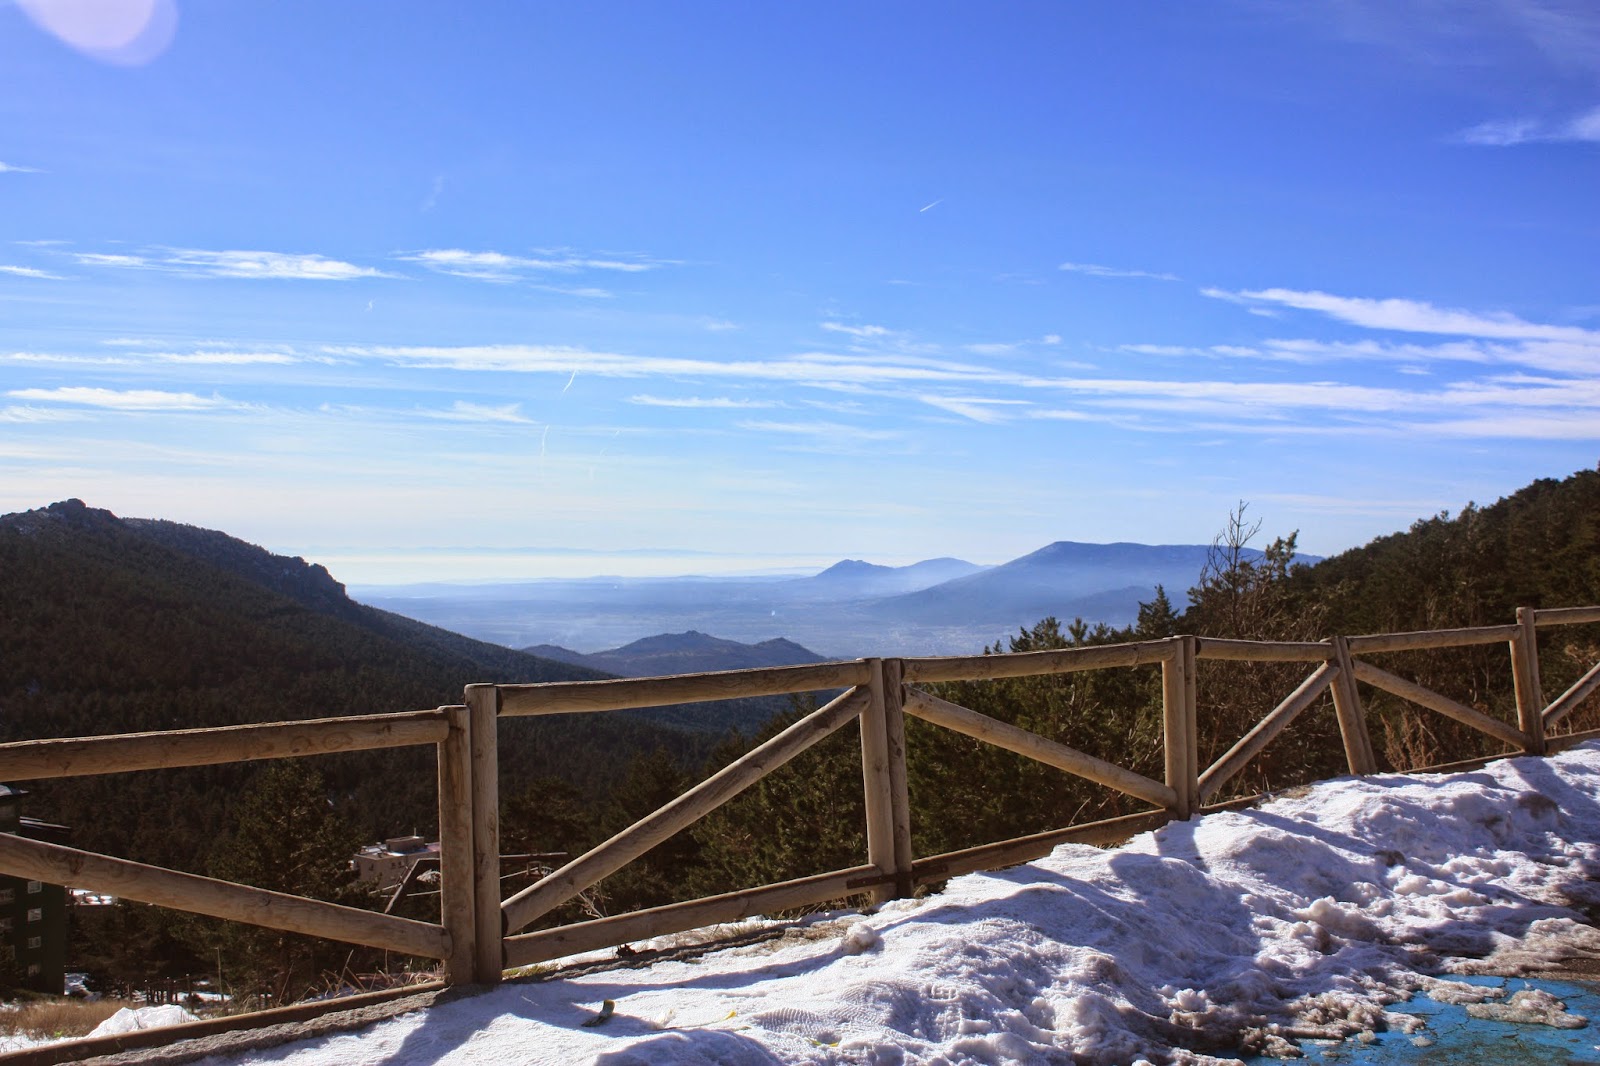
[479,935]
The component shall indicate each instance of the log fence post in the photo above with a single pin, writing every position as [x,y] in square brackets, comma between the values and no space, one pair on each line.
[1347,707]
[883,775]
[1178,727]
[1525,678]
[1191,702]
[483,703]
[894,724]
[456,910]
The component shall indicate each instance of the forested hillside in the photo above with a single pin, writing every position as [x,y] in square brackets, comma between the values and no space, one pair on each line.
[1538,547]
[110,625]
[119,626]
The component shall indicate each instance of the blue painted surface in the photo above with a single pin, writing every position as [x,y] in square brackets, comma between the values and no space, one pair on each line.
[1452,1036]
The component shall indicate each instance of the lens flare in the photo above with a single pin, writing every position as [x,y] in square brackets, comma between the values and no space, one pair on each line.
[127,32]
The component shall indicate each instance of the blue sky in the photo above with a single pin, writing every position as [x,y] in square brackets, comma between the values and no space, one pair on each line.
[516,289]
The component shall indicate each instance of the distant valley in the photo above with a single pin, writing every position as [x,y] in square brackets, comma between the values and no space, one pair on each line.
[853,608]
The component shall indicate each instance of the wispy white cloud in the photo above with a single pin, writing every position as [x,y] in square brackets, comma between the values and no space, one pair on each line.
[837,432]
[65,359]
[37,415]
[123,400]
[226,358]
[463,411]
[985,409]
[858,332]
[135,357]
[1095,270]
[1410,316]
[29,272]
[12,168]
[502,267]
[1503,133]
[819,369]
[702,402]
[110,260]
[587,292]
[1160,349]
[235,264]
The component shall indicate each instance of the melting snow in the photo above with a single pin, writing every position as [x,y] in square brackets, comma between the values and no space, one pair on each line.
[1312,917]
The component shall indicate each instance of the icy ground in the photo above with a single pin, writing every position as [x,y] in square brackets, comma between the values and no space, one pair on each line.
[1316,915]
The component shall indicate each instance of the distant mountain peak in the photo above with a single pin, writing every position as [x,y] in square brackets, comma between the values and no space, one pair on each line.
[854,568]
[64,514]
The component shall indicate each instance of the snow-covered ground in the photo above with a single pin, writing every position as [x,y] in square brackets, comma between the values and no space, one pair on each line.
[1316,915]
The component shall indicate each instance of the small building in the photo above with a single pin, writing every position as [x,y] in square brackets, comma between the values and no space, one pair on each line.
[383,866]
[33,914]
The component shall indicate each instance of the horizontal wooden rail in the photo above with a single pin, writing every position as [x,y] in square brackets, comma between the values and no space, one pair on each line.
[1568,740]
[93,1047]
[1031,663]
[566,697]
[529,948]
[1037,845]
[1034,846]
[600,862]
[35,760]
[1565,616]
[1373,643]
[1263,651]
[59,865]
[1041,749]
[1569,700]
[1430,699]
[1250,745]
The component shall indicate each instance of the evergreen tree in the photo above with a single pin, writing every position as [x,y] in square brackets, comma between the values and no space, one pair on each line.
[286,837]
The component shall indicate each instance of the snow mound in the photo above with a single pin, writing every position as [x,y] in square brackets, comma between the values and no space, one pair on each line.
[1313,917]
[131,1019]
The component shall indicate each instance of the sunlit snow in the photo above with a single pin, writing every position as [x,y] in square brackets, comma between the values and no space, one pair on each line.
[1315,916]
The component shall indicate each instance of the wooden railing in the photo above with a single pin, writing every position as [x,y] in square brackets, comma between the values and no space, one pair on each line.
[479,935]
[879,693]
[446,728]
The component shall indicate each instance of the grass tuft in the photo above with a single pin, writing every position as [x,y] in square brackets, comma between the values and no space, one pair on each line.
[57,1018]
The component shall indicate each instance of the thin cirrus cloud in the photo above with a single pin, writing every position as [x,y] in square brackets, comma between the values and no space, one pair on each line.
[988,410]
[26,415]
[29,272]
[1410,316]
[123,399]
[858,332]
[990,395]
[1505,133]
[464,411]
[828,432]
[714,403]
[1096,270]
[12,168]
[504,268]
[823,370]
[196,358]
[235,264]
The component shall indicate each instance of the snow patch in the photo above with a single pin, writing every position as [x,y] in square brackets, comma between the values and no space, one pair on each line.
[1309,918]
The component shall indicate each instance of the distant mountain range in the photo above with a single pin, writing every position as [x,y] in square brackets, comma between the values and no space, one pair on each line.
[853,608]
[682,653]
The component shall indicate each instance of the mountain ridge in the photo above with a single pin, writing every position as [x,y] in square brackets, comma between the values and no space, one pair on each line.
[683,653]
